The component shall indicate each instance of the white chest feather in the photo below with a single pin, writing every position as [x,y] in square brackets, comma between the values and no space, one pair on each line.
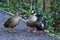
[33,18]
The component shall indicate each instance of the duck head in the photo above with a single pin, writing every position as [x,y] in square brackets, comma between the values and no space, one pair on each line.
[39,15]
[34,13]
[17,13]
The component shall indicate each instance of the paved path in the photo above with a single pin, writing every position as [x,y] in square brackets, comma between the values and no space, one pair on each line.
[20,34]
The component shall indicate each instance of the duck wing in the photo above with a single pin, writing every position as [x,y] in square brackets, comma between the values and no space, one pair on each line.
[7,22]
[40,25]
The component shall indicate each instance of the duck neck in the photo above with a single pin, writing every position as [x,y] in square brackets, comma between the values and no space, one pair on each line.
[16,14]
[39,18]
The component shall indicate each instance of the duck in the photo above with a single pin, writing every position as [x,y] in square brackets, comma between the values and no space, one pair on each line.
[41,24]
[36,22]
[12,22]
[31,21]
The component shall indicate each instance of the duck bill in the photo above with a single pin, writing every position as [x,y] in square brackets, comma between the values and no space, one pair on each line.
[35,13]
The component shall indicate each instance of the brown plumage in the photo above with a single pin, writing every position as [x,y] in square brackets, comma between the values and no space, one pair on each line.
[12,22]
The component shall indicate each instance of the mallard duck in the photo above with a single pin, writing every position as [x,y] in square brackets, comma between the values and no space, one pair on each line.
[31,21]
[12,22]
[40,24]
[36,22]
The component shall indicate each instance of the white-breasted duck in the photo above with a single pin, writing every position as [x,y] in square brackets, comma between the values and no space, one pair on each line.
[31,20]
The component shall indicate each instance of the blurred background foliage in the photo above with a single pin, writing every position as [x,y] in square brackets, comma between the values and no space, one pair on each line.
[50,9]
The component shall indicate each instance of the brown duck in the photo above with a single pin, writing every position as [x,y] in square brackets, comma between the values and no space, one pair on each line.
[12,22]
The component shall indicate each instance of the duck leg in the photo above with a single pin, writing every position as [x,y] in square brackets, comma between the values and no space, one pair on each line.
[42,32]
[35,30]
[11,30]
[27,30]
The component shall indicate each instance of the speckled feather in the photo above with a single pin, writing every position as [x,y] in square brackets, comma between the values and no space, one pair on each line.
[12,22]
